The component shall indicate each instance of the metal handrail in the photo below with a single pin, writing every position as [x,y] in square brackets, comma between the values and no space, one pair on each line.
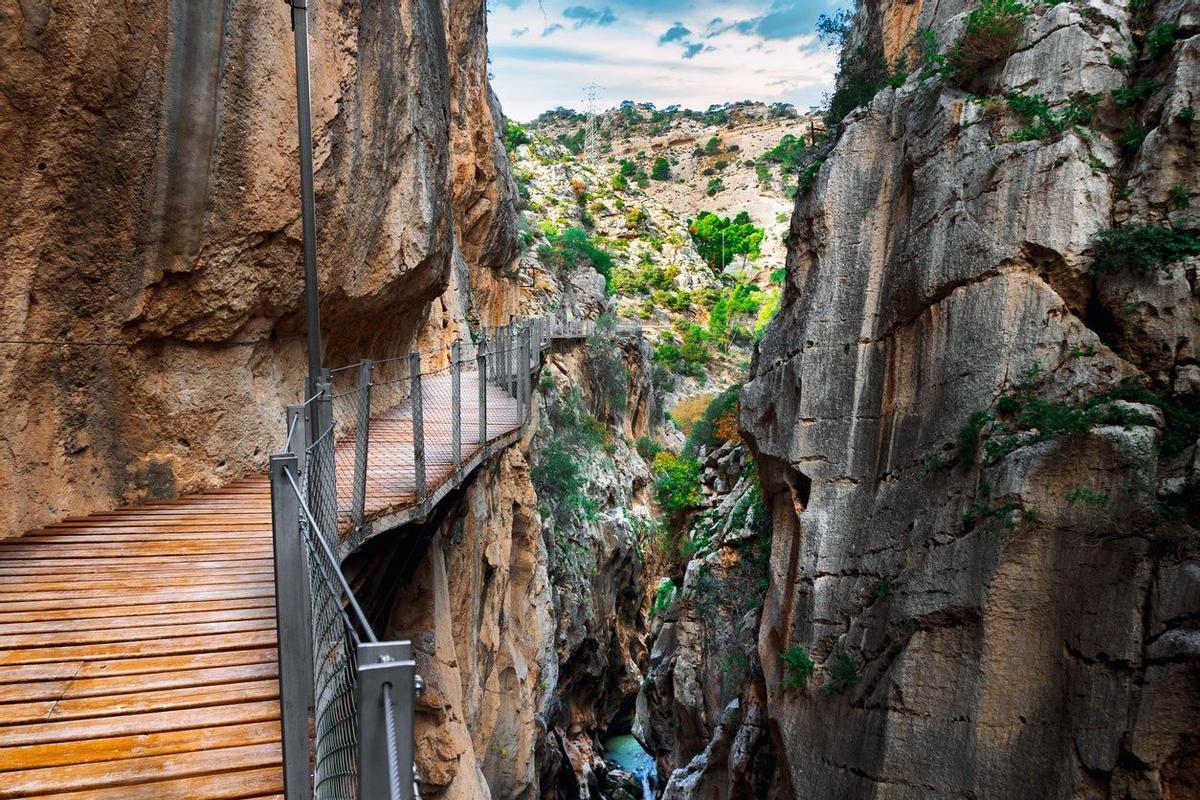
[336,677]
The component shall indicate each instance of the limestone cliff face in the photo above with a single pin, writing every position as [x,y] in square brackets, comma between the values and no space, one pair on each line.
[148,187]
[478,609]
[996,607]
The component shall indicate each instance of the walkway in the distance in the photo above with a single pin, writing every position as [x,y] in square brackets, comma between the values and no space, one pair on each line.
[137,647]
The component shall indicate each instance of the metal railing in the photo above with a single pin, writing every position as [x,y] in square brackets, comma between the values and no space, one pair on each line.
[378,444]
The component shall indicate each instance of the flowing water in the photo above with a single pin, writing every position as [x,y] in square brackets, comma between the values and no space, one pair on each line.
[627,753]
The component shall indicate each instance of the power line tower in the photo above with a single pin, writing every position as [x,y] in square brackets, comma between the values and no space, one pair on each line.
[591,136]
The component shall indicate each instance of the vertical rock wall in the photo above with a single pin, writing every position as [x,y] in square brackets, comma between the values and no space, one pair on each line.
[149,197]
[1013,616]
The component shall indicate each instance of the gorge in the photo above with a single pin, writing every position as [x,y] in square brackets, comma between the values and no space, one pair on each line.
[876,476]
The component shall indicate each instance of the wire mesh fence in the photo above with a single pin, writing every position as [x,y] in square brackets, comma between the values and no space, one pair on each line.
[376,436]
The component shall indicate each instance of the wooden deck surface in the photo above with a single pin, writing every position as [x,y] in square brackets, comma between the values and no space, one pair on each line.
[137,647]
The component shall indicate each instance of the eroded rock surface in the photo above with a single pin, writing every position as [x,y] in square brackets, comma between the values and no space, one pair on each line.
[980,596]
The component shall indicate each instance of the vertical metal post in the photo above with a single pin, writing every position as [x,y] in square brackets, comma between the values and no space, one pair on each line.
[418,424]
[456,406]
[385,694]
[292,623]
[298,423]
[482,367]
[526,373]
[308,206]
[322,486]
[362,441]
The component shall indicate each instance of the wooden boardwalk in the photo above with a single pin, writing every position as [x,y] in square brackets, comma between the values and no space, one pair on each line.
[137,647]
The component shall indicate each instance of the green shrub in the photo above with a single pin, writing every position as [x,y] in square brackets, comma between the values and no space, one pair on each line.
[1135,95]
[572,249]
[989,37]
[647,448]
[715,187]
[1186,114]
[514,136]
[1045,122]
[664,596]
[1179,197]
[787,153]
[1159,39]
[798,667]
[619,182]
[574,142]
[808,177]
[1142,248]
[706,431]
[608,372]
[713,146]
[718,239]
[1117,61]
[661,170]
[677,485]
[843,675]
[1131,140]
[968,438]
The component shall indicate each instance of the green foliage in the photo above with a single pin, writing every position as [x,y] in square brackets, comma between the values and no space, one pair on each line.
[619,182]
[574,142]
[1135,95]
[677,482]
[1179,197]
[808,177]
[661,170]
[1117,61]
[843,675]
[1131,140]
[608,372]
[713,146]
[692,544]
[798,667]
[1045,122]
[980,512]
[686,357]
[705,431]
[628,168]
[763,173]
[787,153]
[1181,414]
[989,37]
[715,187]
[572,249]
[1186,114]
[1159,39]
[968,437]
[514,136]
[644,279]
[647,448]
[664,596]
[718,239]
[1142,248]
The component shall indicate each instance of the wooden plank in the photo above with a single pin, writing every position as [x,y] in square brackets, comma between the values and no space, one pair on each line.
[67,670]
[130,725]
[125,774]
[124,622]
[139,682]
[155,647]
[138,702]
[128,608]
[121,634]
[90,751]
[80,599]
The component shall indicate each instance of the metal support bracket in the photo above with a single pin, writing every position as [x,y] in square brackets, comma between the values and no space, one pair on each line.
[386,694]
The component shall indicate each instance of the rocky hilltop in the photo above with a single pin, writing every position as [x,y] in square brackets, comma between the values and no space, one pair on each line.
[975,415]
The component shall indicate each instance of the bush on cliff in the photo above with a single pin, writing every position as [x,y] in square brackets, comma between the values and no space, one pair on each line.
[572,249]
[677,483]
[989,38]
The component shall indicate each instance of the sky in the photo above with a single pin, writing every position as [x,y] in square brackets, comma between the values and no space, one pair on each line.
[691,52]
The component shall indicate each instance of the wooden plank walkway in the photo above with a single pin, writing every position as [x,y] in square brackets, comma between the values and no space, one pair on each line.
[137,647]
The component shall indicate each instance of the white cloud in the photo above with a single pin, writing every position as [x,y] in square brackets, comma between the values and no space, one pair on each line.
[533,74]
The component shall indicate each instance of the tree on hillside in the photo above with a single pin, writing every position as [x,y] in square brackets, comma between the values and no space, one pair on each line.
[713,146]
[718,239]
[661,170]
[573,248]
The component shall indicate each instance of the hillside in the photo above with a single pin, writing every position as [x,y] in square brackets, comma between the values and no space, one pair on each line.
[633,196]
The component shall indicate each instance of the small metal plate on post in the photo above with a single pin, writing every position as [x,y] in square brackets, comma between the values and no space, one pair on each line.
[385,667]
